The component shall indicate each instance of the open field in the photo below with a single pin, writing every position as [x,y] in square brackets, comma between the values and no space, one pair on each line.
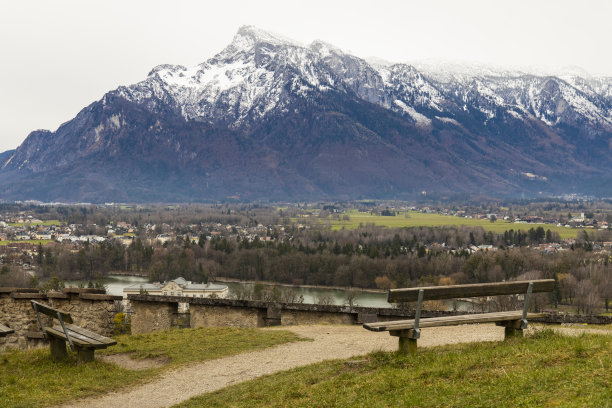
[419,219]
[34,224]
[31,379]
[27,241]
[543,370]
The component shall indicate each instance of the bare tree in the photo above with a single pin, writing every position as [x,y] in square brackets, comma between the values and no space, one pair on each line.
[587,297]
[350,298]
[324,299]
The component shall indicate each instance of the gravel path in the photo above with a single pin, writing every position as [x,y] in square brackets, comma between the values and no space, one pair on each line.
[330,342]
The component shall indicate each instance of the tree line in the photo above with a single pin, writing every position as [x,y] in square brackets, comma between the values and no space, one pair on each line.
[369,257]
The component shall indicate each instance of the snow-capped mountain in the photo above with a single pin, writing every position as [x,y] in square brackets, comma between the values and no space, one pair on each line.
[269,118]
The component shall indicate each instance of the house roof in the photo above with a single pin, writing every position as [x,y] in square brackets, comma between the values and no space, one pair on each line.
[203,286]
[145,286]
[180,281]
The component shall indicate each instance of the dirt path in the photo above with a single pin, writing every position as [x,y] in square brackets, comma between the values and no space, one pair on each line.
[330,342]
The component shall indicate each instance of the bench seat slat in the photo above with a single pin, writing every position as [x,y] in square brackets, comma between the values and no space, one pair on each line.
[79,337]
[90,334]
[469,290]
[450,320]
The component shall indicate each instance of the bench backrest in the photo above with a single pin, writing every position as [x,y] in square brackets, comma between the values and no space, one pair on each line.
[63,317]
[469,290]
[49,311]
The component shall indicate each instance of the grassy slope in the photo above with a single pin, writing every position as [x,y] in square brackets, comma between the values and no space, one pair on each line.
[32,379]
[418,219]
[542,371]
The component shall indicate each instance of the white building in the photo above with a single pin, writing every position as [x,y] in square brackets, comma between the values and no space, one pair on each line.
[178,287]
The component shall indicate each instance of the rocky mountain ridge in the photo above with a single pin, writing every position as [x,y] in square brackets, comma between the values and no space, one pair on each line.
[270,119]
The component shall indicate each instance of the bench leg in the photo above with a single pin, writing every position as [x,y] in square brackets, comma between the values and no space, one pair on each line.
[58,348]
[512,328]
[407,346]
[85,354]
[510,332]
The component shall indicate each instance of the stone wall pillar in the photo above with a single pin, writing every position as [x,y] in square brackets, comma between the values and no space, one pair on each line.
[152,316]
[273,315]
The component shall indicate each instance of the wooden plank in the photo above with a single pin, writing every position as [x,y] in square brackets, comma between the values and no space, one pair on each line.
[450,320]
[49,311]
[78,339]
[54,332]
[5,330]
[470,290]
[89,334]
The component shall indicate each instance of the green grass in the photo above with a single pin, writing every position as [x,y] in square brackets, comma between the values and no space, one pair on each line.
[418,219]
[547,370]
[31,379]
[27,241]
[190,345]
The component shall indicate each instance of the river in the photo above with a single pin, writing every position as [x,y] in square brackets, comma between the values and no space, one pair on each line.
[114,285]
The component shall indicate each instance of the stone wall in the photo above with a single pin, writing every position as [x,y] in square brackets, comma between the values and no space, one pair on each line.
[152,316]
[89,309]
[153,313]
[205,315]
[297,317]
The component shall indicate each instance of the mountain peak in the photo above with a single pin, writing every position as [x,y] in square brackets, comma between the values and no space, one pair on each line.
[247,36]
[324,49]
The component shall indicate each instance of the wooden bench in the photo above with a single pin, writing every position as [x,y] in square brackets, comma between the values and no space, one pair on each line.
[83,341]
[514,322]
[5,330]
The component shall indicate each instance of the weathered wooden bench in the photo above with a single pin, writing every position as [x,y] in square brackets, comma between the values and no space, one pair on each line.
[81,340]
[514,322]
[5,330]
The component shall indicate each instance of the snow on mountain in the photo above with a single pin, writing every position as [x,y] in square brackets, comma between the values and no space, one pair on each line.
[259,72]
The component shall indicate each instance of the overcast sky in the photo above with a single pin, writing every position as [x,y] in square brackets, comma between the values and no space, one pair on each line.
[59,56]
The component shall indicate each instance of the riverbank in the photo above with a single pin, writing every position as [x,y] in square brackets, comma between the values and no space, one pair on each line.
[126,273]
[287,285]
